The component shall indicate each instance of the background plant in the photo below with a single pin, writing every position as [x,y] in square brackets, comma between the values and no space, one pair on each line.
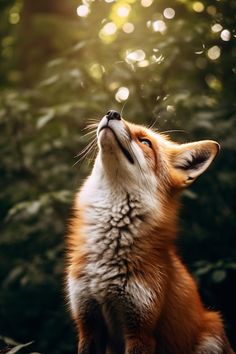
[167,63]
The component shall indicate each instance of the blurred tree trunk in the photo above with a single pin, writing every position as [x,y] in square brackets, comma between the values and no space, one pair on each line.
[37,40]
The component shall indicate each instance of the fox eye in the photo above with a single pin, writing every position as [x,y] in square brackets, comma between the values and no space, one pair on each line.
[145,142]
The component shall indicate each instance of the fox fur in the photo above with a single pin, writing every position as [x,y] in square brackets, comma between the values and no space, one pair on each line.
[128,290]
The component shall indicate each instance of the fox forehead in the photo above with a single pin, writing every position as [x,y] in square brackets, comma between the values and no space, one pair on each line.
[136,131]
[159,140]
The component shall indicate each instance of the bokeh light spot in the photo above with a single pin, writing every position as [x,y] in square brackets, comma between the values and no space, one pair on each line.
[169,13]
[213,82]
[198,6]
[114,85]
[82,10]
[14,18]
[108,32]
[211,10]
[128,27]
[214,52]
[109,29]
[7,41]
[122,94]
[135,56]
[123,11]
[225,35]
[96,71]
[216,28]
[159,26]
[146,3]
[143,63]
[170,109]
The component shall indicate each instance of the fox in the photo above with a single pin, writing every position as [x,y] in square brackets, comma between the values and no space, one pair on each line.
[128,289]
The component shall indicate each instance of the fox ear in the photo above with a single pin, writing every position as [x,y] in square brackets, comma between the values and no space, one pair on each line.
[192,159]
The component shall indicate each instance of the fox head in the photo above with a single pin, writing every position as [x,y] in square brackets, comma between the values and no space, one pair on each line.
[134,160]
[134,154]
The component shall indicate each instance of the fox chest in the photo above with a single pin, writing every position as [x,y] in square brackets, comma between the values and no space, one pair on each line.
[111,243]
[114,257]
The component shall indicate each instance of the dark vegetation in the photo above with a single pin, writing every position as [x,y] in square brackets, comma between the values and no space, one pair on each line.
[58,70]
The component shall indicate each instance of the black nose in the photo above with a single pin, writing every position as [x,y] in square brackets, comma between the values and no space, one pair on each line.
[113,115]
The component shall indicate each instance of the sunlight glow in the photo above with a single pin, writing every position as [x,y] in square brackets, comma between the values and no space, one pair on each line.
[82,10]
[135,56]
[122,94]
[198,6]
[216,28]
[114,85]
[109,29]
[169,13]
[143,63]
[170,109]
[128,27]
[108,32]
[149,24]
[225,35]
[158,60]
[96,71]
[146,3]
[123,11]
[14,18]
[214,52]
[159,26]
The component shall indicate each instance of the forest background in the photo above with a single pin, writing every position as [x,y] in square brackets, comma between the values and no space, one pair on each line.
[64,63]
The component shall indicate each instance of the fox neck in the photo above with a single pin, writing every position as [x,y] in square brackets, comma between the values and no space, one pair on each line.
[109,172]
[116,204]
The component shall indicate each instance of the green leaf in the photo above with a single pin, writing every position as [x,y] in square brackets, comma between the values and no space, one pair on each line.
[9,340]
[18,348]
[51,80]
[218,276]
[190,194]
[203,270]
[43,120]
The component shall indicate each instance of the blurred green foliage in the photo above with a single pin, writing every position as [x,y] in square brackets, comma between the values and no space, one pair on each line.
[58,70]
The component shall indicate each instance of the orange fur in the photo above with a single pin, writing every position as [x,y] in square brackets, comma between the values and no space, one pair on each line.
[175,320]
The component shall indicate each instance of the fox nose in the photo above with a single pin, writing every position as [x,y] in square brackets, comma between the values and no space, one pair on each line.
[113,115]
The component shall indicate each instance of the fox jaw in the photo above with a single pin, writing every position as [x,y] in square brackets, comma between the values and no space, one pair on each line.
[136,160]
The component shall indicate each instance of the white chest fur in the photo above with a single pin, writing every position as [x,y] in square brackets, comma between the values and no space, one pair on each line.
[112,233]
[114,220]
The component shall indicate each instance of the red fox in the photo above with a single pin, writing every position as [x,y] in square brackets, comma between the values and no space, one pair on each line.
[128,290]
